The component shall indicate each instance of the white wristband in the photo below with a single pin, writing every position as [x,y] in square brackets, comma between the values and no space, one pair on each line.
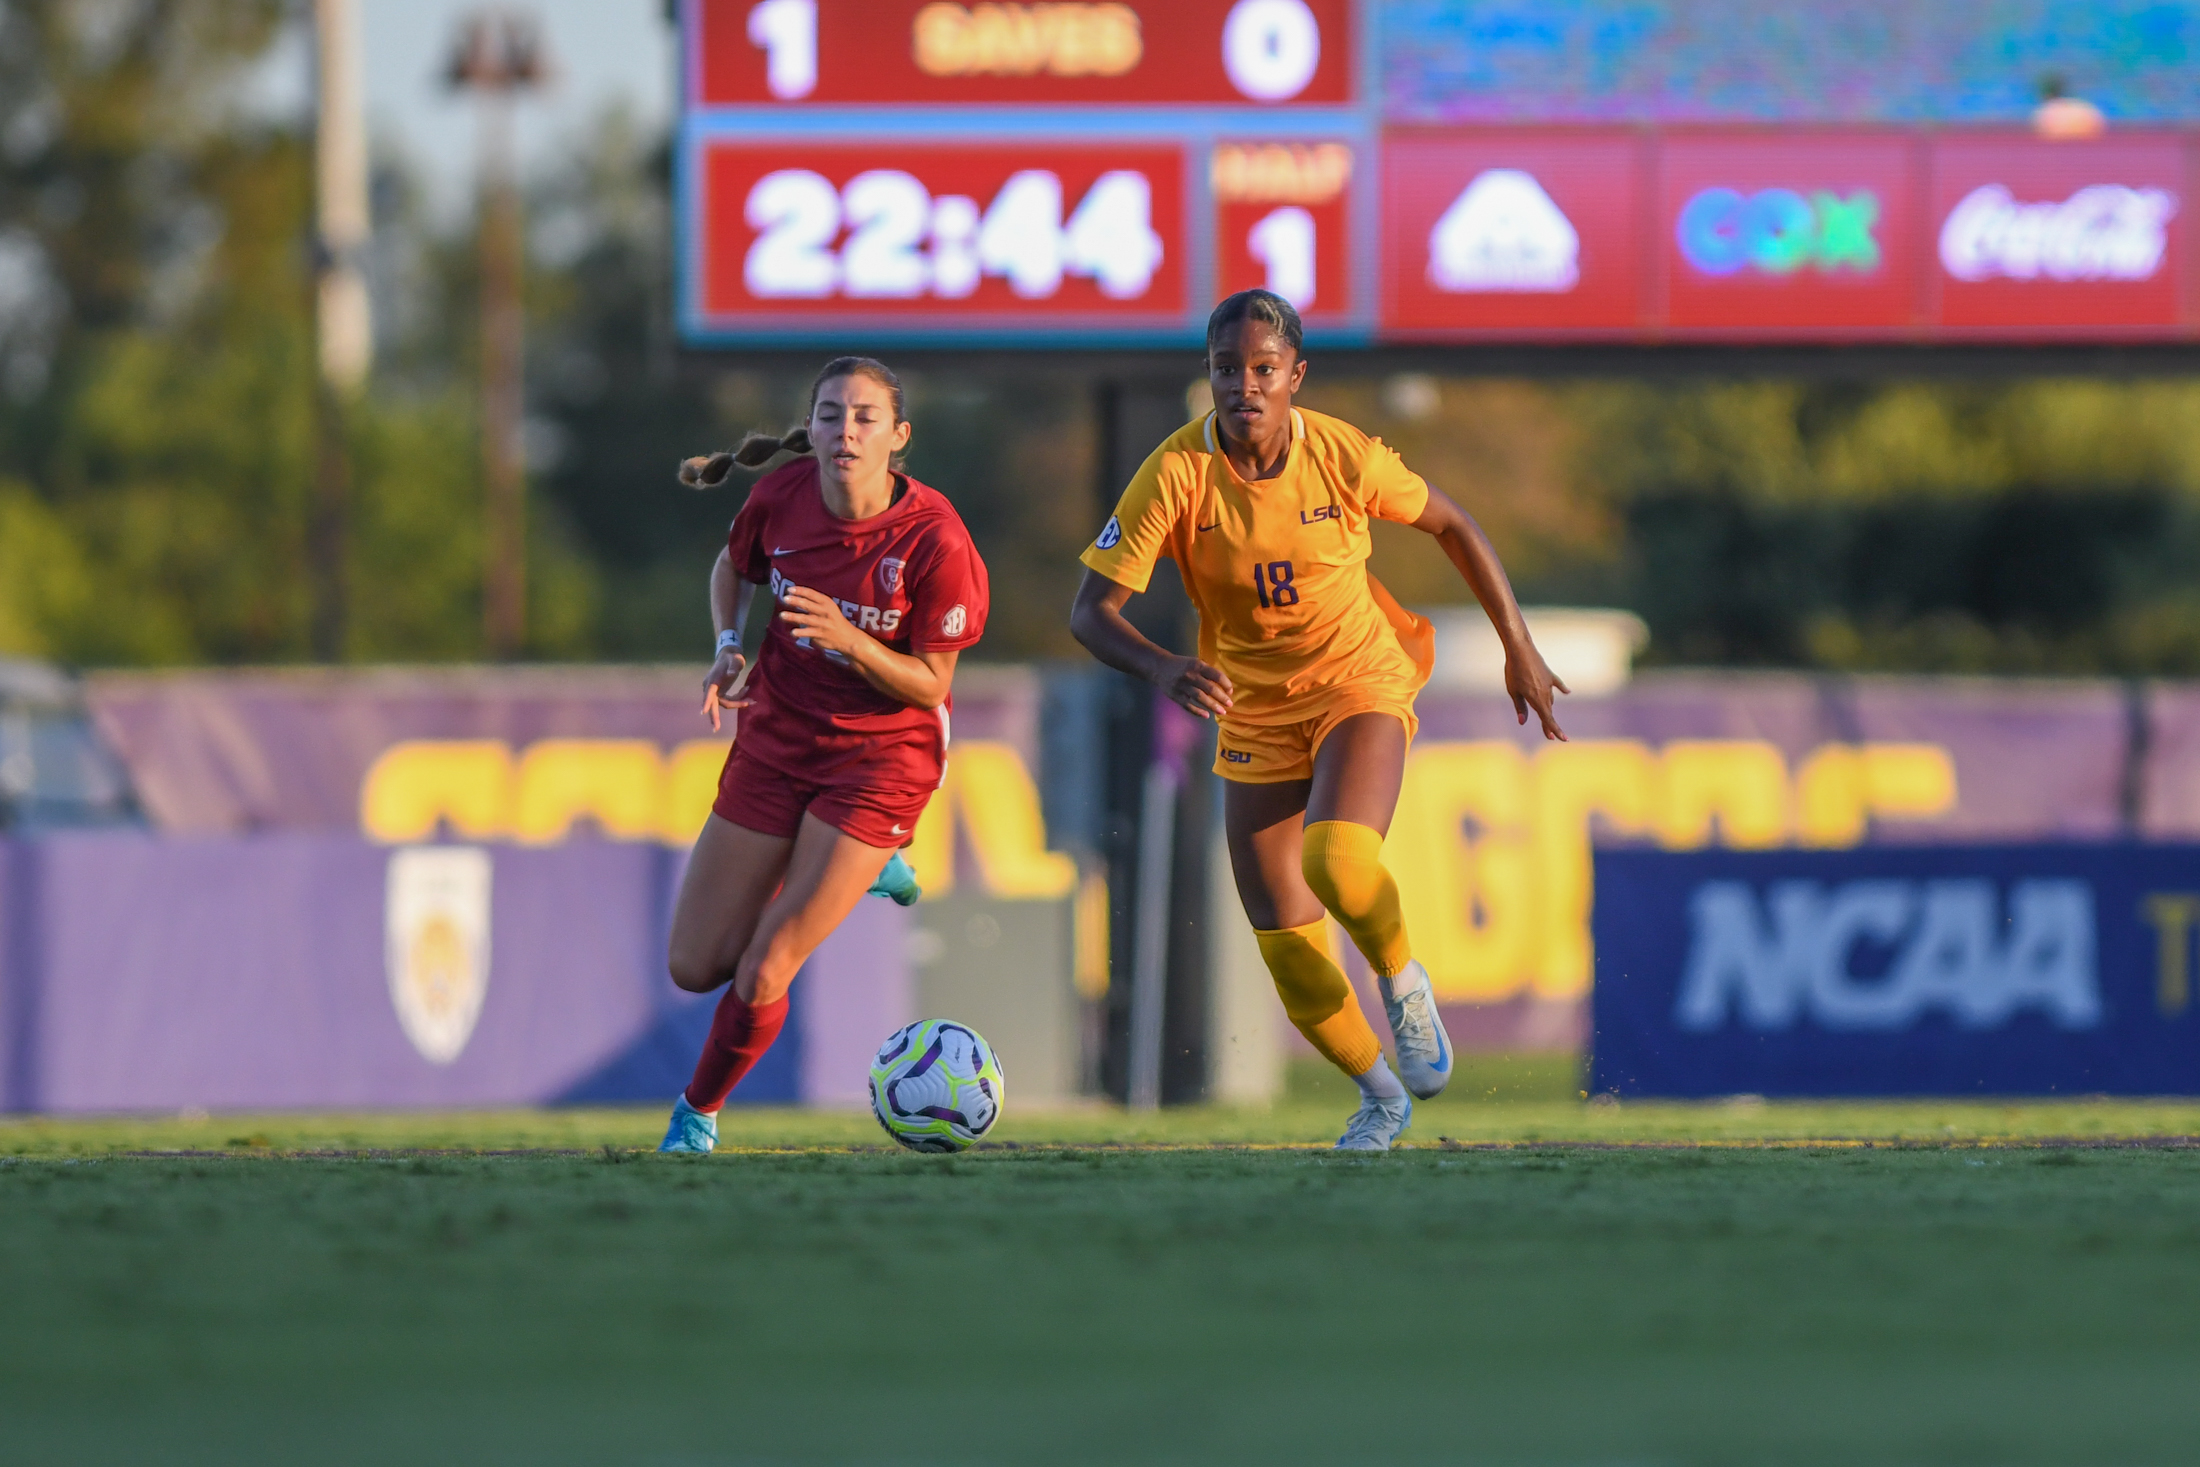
[729,639]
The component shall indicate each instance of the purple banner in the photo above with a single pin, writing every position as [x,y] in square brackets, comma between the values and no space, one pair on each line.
[231,752]
[1492,844]
[227,752]
[150,973]
[2032,759]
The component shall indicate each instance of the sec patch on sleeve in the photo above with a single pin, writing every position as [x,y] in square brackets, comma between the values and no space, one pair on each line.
[952,624]
[1111,534]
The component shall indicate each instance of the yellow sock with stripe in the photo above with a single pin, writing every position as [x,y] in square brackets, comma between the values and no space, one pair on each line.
[1343,864]
[1318,997]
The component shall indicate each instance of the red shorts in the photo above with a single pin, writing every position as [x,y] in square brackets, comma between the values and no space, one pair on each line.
[755,796]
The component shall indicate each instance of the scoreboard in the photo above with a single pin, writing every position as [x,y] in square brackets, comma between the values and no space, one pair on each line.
[933,172]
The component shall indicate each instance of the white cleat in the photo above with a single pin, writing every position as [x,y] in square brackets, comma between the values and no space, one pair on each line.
[1376,1124]
[1424,1049]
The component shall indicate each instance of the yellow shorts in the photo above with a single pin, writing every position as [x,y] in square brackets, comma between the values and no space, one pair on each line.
[1273,753]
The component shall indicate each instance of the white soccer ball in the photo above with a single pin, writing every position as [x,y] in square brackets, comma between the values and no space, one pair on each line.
[936,1085]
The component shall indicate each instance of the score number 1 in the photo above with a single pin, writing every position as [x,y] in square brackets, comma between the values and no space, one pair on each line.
[786,32]
[1280,219]
[1020,237]
[1283,241]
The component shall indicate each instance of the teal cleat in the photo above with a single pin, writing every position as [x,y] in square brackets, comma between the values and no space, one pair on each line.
[897,881]
[1376,1124]
[691,1131]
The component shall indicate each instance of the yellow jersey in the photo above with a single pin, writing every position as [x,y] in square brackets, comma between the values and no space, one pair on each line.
[1278,569]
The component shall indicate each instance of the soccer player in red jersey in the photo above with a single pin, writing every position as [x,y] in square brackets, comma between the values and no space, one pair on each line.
[842,723]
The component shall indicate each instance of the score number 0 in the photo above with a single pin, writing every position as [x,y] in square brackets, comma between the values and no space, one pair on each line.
[890,214]
[1270,48]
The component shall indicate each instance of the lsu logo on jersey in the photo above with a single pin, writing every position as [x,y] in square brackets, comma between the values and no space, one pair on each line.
[1111,534]
[1236,756]
[1319,513]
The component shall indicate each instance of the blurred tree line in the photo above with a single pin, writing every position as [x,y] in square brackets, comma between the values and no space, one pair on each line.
[2030,525]
[156,421]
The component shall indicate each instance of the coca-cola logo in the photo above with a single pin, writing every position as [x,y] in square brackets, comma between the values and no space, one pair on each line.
[2102,232]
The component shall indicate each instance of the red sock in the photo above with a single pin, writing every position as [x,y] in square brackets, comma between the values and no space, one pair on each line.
[739,1035]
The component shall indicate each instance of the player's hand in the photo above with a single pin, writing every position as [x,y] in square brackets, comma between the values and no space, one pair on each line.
[815,617]
[722,689]
[1531,682]
[1195,687]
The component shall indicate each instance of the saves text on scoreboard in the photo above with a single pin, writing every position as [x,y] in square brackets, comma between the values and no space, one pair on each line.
[835,52]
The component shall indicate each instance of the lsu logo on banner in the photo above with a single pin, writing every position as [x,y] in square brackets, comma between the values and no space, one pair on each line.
[436,945]
[1882,954]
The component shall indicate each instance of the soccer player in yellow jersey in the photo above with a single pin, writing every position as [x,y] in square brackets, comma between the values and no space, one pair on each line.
[1312,669]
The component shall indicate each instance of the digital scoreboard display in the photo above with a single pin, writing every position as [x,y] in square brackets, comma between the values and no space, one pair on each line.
[1055,174]
[961,232]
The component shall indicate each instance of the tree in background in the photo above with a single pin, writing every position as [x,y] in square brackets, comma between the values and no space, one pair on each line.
[2035,525]
[156,367]
[2030,525]
[115,178]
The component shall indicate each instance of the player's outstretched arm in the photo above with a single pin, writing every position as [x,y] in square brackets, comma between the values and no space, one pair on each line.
[1528,678]
[1096,620]
[920,679]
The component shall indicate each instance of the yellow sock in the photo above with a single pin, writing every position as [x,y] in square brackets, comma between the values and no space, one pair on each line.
[1318,997]
[1343,863]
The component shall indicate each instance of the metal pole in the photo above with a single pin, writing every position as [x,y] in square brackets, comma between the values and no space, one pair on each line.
[343,314]
[1150,950]
[346,318]
[503,472]
[499,53]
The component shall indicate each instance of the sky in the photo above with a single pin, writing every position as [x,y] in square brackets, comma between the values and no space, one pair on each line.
[604,53]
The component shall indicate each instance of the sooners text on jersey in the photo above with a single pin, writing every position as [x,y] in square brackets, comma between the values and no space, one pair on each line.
[880,622]
[908,576]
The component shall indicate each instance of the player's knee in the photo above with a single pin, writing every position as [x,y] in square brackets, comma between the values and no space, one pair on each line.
[1271,911]
[694,971]
[1342,864]
[766,972]
[1328,876]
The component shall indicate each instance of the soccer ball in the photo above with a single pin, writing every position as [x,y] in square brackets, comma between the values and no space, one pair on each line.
[936,1085]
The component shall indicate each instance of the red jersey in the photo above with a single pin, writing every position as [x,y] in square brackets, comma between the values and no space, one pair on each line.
[909,576]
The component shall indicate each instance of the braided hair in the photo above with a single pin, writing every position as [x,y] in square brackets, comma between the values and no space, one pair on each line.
[1262,306]
[758,449]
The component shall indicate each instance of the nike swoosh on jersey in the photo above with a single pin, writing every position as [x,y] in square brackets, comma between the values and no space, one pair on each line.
[1203,529]
[901,830]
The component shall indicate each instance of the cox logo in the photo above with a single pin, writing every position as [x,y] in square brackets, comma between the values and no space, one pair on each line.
[1777,230]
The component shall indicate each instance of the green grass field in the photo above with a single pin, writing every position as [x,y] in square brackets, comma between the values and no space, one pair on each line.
[1200,1286]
